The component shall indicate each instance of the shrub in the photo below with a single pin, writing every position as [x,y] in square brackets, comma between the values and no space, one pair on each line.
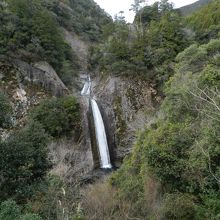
[213,46]
[210,206]
[129,185]
[166,151]
[210,76]
[179,206]
[49,199]
[24,162]
[187,53]
[68,72]
[193,54]
[58,116]
[9,210]
[30,217]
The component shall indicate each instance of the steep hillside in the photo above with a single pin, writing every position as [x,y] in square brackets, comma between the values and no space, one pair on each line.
[156,85]
[205,22]
[44,153]
[83,17]
[189,9]
[30,31]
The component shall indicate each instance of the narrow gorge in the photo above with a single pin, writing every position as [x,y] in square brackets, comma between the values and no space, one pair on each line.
[105,119]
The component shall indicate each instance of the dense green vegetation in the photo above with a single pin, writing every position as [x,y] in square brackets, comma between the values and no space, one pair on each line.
[58,116]
[205,21]
[84,17]
[9,210]
[31,31]
[149,46]
[23,162]
[25,186]
[23,168]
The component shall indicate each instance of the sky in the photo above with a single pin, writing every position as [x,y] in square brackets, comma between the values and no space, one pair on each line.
[112,7]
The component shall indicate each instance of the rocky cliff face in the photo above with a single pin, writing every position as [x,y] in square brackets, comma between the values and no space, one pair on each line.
[127,106]
[22,94]
[27,85]
[80,47]
[40,74]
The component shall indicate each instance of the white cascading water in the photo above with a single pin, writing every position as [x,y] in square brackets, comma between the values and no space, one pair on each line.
[87,87]
[99,128]
[101,136]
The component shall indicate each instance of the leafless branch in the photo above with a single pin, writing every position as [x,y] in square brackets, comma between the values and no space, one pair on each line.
[207,155]
[206,98]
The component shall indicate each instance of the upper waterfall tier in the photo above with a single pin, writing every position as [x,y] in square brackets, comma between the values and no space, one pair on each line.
[86,88]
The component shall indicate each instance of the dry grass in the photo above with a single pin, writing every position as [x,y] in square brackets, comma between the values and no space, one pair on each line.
[153,197]
[100,203]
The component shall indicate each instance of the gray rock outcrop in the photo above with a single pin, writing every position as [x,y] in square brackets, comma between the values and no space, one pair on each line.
[127,107]
[40,74]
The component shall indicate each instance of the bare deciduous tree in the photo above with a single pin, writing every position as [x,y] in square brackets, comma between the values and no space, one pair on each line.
[208,104]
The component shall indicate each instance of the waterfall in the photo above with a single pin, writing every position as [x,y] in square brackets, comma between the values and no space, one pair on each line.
[99,128]
[86,88]
[101,136]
